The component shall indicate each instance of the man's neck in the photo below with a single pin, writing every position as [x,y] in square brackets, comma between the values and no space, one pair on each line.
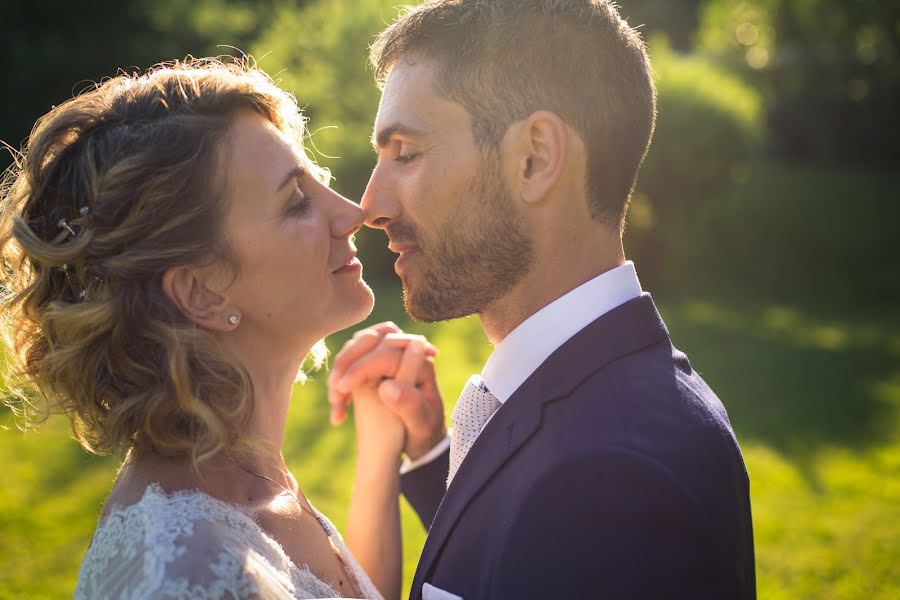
[550,278]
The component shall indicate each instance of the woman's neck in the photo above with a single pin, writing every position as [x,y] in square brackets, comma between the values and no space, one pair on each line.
[231,478]
[272,374]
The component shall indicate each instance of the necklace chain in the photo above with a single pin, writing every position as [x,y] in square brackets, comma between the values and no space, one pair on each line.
[260,475]
[335,548]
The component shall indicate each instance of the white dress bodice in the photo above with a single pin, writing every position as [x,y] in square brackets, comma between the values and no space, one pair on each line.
[187,544]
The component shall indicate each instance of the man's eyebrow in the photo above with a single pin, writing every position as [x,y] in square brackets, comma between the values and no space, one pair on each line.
[381,138]
[295,173]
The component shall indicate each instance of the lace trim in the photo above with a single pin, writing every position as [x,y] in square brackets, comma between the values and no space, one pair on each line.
[162,518]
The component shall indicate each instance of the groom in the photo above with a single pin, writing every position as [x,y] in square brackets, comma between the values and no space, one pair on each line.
[588,459]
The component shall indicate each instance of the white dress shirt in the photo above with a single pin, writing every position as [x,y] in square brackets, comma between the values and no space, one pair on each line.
[526,348]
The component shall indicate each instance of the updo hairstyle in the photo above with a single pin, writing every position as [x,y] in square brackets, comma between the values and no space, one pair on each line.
[116,186]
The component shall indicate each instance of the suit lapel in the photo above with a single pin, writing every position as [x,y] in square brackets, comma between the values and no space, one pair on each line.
[505,433]
[626,329]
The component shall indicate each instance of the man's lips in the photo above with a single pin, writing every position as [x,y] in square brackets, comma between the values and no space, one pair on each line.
[402,247]
[407,252]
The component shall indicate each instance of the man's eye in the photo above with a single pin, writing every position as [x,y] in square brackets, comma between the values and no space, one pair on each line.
[405,158]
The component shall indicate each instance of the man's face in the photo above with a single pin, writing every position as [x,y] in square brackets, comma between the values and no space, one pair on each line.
[443,202]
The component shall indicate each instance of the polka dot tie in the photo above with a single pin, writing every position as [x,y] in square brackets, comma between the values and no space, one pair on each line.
[475,406]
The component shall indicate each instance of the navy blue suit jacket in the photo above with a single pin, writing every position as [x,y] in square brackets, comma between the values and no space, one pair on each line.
[611,473]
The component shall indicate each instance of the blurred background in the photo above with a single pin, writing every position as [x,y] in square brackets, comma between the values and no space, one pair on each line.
[766,225]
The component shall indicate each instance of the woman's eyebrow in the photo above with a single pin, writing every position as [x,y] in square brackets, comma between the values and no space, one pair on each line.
[295,173]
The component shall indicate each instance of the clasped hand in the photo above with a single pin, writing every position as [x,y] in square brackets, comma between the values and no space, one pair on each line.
[389,377]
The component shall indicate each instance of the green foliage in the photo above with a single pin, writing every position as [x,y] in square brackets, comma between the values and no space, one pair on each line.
[788,231]
[677,21]
[49,53]
[814,396]
[737,27]
[830,71]
[211,20]
[320,53]
[708,123]
[800,345]
[708,126]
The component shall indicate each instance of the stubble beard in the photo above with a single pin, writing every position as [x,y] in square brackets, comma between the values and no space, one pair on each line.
[472,264]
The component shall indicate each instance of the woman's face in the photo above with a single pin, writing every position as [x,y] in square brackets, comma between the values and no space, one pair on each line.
[298,277]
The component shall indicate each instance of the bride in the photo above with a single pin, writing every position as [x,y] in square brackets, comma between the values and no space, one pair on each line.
[173,256]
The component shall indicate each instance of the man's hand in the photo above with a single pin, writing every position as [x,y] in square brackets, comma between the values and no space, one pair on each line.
[401,368]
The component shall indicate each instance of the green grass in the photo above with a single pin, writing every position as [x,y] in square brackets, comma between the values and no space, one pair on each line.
[814,402]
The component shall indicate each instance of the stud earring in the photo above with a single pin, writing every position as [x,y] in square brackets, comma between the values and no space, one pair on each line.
[233,319]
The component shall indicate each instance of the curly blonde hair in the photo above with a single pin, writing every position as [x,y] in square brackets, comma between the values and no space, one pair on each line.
[116,186]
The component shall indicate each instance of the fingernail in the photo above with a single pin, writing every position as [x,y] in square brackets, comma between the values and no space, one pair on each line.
[334,417]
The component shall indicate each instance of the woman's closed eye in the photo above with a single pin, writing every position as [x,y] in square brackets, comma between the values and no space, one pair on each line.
[299,203]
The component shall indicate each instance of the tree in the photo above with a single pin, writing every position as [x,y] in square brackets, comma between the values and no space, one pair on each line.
[52,50]
[830,71]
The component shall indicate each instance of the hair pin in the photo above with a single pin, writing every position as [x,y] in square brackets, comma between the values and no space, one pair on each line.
[64,225]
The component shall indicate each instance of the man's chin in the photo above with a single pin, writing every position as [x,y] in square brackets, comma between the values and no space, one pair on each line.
[427,308]
[413,306]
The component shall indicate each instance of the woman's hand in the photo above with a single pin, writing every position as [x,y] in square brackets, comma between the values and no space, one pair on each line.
[380,435]
[368,372]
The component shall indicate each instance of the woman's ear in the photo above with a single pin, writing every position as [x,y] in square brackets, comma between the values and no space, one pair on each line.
[542,155]
[189,289]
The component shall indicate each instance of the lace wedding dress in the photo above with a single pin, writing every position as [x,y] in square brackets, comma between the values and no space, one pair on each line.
[187,544]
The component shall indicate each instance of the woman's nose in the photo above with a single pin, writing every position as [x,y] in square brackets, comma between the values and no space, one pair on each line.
[348,218]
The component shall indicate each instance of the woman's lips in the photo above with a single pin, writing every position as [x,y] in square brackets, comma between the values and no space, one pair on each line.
[351,266]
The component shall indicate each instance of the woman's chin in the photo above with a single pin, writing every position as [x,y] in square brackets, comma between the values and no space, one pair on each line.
[367,305]
[358,308]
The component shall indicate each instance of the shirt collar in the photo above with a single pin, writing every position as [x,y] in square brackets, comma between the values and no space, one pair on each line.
[521,352]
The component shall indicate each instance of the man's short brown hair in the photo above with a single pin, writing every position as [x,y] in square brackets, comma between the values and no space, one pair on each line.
[505,59]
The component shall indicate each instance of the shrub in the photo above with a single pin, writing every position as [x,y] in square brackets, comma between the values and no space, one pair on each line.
[708,124]
[708,127]
[791,232]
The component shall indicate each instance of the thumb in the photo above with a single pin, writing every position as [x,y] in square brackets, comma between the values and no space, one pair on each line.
[407,403]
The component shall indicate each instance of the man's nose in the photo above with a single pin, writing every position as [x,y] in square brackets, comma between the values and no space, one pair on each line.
[378,201]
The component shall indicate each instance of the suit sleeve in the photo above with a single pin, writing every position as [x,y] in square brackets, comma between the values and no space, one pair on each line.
[424,487]
[614,525]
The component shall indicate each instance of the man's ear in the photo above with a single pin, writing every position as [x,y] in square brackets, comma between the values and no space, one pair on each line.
[543,151]
[189,289]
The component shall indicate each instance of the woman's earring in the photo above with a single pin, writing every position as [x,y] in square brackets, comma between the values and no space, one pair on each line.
[233,319]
